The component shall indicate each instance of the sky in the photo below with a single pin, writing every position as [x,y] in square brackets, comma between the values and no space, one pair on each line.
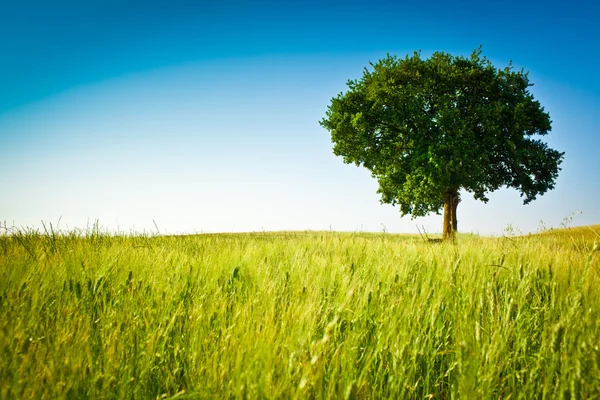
[192,116]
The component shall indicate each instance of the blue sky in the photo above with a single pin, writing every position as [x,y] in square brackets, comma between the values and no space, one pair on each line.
[204,116]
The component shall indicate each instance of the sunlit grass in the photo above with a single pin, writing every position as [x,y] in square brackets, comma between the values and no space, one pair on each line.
[313,314]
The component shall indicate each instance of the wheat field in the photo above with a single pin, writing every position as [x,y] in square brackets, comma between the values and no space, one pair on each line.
[299,315]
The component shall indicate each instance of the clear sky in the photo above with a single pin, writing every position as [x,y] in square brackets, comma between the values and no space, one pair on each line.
[203,116]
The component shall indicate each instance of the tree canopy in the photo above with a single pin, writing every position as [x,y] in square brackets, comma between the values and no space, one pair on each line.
[430,128]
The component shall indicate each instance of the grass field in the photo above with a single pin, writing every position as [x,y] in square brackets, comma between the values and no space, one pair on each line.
[299,315]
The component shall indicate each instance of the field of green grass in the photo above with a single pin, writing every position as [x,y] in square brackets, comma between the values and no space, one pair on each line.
[299,315]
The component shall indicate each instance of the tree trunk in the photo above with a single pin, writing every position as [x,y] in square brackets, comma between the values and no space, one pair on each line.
[455,201]
[451,200]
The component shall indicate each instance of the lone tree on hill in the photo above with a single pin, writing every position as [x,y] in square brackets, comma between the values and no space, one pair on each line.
[429,128]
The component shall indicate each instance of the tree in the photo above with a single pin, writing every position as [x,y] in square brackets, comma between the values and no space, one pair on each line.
[428,129]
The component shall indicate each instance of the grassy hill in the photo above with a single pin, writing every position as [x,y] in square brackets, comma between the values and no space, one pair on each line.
[309,315]
[581,234]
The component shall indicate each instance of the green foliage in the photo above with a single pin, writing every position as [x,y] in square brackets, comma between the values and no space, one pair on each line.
[309,315]
[425,128]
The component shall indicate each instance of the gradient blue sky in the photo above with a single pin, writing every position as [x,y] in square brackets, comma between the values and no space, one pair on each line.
[204,116]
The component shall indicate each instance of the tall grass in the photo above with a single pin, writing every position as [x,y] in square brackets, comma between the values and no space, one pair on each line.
[299,315]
